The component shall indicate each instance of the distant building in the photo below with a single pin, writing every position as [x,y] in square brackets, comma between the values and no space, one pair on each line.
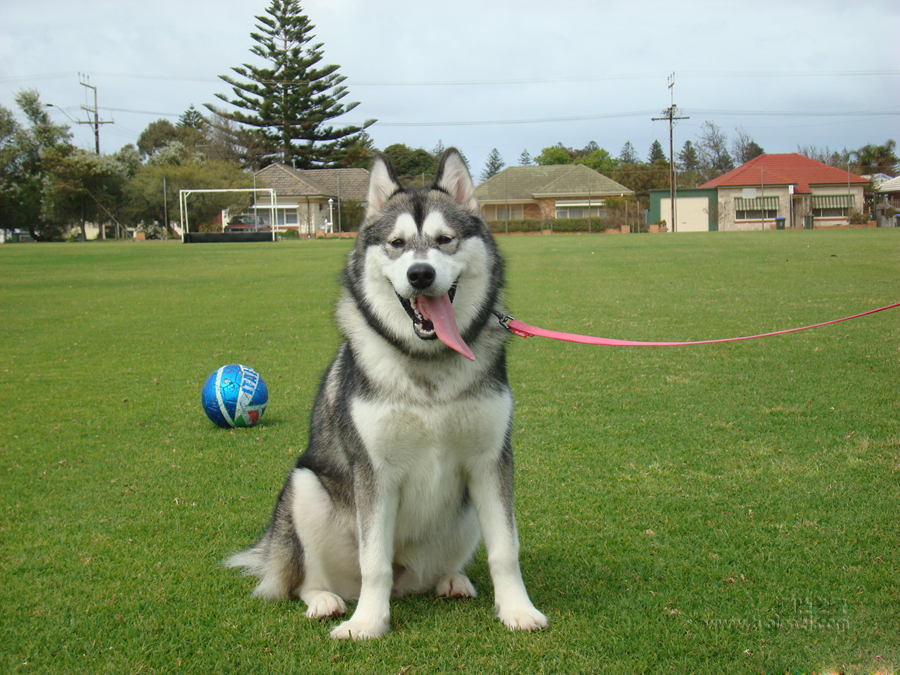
[788,190]
[544,192]
[301,196]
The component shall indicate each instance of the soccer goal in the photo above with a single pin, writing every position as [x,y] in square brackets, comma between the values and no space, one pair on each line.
[185,216]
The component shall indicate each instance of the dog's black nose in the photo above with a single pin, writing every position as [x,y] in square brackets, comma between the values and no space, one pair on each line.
[420,275]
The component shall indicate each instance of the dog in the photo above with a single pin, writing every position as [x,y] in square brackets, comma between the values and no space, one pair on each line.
[409,462]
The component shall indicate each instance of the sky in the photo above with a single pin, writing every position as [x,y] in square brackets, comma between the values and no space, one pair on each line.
[484,74]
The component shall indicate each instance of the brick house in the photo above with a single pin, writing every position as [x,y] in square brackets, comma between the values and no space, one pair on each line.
[792,187]
[301,196]
[543,192]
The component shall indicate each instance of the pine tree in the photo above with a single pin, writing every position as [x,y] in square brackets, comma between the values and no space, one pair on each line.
[525,158]
[192,118]
[291,102]
[656,152]
[687,158]
[628,154]
[494,164]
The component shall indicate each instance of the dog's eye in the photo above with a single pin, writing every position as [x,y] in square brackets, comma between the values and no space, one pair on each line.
[444,239]
[397,243]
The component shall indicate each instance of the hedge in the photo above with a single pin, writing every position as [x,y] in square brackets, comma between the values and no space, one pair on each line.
[554,224]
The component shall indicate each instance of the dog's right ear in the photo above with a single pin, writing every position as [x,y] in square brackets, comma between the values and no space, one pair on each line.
[383,185]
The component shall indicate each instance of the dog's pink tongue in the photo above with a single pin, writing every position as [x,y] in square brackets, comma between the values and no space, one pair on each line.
[439,311]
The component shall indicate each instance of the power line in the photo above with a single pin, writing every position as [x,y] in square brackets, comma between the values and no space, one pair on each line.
[85,81]
[582,118]
[544,120]
[479,82]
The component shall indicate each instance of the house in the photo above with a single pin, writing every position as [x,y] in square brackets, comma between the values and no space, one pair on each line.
[890,192]
[302,196]
[887,203]
[543,192]
[772,191]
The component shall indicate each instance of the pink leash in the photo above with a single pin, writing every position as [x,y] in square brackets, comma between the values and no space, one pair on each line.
[524,330]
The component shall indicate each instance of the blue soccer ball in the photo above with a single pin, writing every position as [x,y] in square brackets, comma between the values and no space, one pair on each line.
[235,396]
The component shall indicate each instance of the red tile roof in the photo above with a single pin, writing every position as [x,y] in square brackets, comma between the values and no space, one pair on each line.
[788,169]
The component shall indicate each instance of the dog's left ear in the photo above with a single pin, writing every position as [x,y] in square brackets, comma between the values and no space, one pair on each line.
[454,179]
[383,185]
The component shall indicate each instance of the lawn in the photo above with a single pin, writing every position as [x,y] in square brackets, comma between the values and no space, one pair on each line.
[721,508]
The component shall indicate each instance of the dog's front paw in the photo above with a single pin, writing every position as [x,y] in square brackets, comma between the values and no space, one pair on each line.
[360,630]
[455,586]
[525,618]
[324,605]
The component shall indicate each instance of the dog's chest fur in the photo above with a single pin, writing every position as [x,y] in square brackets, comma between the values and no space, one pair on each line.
[426,430]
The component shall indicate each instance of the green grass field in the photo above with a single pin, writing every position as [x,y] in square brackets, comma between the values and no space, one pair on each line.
[724,508]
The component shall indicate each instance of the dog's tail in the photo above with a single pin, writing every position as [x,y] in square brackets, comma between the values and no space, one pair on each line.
[252,560]
[277,558]
[278,567]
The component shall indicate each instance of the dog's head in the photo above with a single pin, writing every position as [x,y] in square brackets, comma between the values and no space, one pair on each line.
[425,271]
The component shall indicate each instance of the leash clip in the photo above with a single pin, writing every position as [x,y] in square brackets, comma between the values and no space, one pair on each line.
[505,320]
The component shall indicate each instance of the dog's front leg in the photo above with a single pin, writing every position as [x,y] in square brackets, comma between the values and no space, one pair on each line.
[491,489]
[376,518]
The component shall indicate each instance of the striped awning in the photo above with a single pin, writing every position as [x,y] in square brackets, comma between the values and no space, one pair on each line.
[832,201]
[756,204]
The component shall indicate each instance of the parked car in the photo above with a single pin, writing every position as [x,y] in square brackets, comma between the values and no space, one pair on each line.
[247,222]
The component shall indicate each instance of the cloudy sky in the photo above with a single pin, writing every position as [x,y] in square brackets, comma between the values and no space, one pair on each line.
[483,74]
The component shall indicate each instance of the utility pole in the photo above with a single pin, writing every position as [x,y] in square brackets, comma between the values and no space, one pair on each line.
[670,115]
[85,81]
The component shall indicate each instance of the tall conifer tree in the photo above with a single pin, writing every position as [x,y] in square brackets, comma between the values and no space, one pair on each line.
[292,101]
[493,165]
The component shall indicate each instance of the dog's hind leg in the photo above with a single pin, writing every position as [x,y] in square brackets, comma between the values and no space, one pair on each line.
[455,586]
[330,556]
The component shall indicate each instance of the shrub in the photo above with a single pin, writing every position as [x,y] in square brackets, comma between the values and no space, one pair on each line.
[576,225]
[857,217]
[501,226]
[554,224]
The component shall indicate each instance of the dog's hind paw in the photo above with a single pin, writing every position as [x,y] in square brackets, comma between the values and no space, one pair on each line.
[324,605]
[359,630]
[455,586]
[523,618]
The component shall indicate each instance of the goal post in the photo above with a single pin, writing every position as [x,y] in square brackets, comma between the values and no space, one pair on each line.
[185,217]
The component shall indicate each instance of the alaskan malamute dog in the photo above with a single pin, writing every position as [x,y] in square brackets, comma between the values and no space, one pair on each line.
[409,460]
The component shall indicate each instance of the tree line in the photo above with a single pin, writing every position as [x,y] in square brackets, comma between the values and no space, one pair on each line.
[710,155]
[285,109]
[281,110]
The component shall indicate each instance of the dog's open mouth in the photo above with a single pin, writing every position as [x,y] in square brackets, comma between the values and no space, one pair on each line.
[432,317]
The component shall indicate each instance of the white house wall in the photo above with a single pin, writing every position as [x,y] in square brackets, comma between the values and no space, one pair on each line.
[790,207]
[307,217]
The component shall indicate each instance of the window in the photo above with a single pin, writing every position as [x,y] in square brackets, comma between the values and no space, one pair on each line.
[286,216]
[757,214]
[758,208]
[515,212]
[831,206]
[579,212]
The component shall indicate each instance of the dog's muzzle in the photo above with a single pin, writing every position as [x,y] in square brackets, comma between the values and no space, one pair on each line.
[432,314]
